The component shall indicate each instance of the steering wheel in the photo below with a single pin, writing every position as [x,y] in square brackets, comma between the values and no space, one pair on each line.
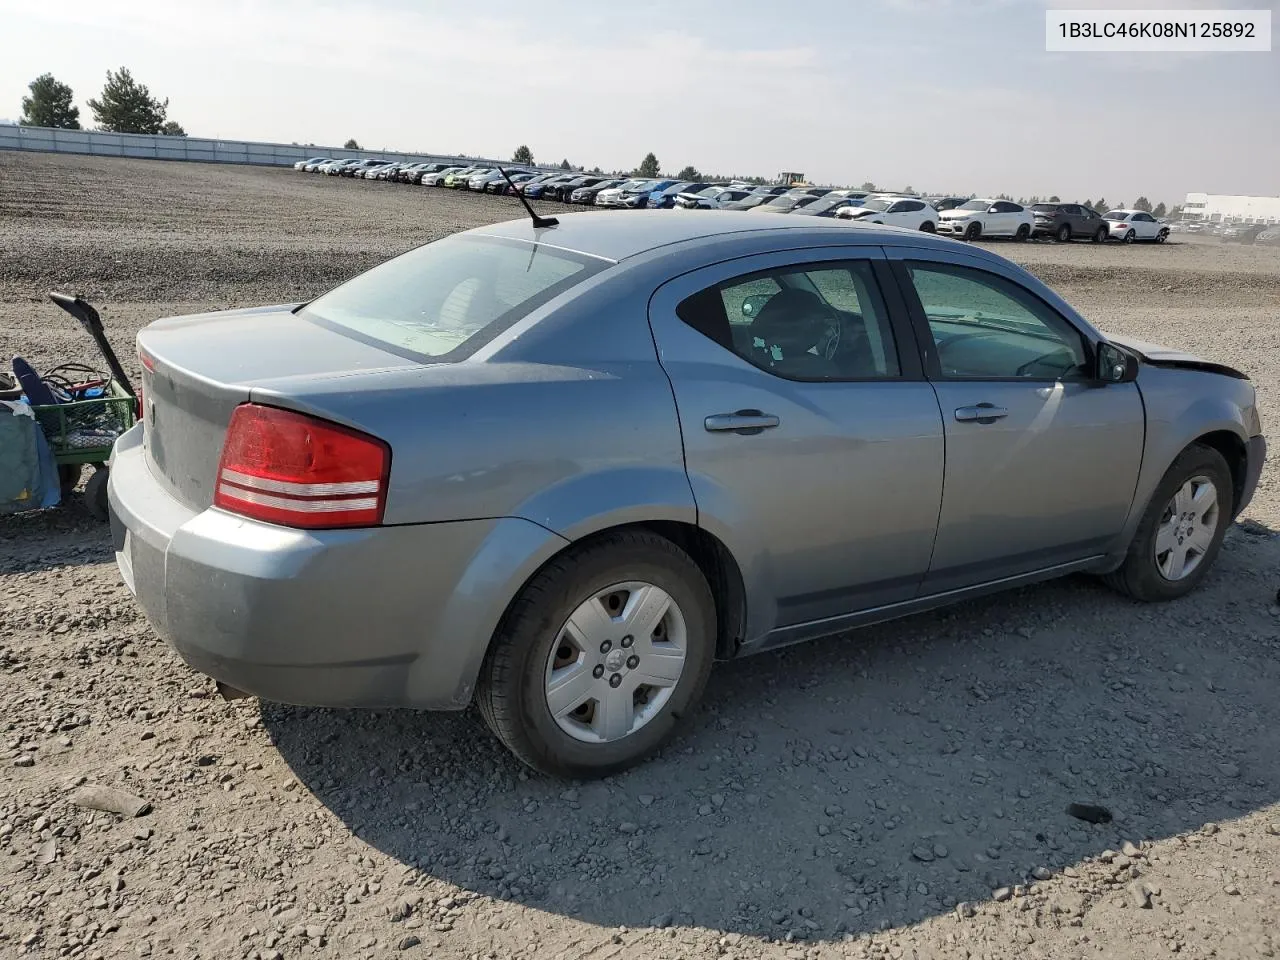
[1045,359]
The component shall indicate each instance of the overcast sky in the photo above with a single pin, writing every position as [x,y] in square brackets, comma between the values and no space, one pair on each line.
[943,95]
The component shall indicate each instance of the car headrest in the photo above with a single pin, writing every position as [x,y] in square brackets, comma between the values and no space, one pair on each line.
[792,319]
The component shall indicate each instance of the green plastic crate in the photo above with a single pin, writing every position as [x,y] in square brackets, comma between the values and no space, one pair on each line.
[86,430]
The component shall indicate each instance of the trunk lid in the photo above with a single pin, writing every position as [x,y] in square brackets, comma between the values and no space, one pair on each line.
[199,368]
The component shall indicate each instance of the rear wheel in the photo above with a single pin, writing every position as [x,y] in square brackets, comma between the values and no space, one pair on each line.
[1020,235]
[68,477]
[1064,233]
[973,231]
[1130,236]
[1181,531]
[600,656]
[928,227]
[95,493]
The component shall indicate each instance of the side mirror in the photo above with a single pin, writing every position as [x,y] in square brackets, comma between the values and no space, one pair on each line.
[1116,365]
[752,306]
[992,210]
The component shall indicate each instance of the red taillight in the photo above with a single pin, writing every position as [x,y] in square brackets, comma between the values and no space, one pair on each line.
[300,471]
[147,362]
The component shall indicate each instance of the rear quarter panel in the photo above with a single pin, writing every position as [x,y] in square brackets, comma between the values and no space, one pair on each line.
[566,420]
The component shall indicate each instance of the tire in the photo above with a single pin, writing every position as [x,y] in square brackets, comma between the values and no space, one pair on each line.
[973,231]
[95,493]
[68,477]
[1020,235]
[512,691]
[1130,237]
[928,227]
[1064,233]
[1101,235]
[1140,576]
[1162,236]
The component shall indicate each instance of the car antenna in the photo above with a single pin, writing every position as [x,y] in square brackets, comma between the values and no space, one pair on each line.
[537,220]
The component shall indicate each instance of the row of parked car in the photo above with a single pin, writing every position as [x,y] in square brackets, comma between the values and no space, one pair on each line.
[1263,233]
[967,218]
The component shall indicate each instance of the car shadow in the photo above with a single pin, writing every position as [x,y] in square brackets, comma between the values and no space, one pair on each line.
[858,783]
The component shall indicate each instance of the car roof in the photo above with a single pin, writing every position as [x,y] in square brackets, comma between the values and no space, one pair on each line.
[619,235]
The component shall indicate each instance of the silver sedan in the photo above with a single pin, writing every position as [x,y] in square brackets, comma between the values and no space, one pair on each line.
[560,470]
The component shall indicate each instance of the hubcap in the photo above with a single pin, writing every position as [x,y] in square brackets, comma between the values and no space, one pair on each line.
[616,662]
[1186,528]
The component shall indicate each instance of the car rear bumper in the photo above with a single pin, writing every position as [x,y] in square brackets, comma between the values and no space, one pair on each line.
[376,617]
[1255,457]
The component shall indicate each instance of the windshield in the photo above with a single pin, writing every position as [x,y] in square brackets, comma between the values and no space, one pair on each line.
[826,203]
[871,203]
[784,202]
[442,301]
[1117,215]
[975,205]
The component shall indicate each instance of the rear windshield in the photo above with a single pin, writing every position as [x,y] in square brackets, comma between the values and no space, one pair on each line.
[1117,215]
[445,300]
[1045,207]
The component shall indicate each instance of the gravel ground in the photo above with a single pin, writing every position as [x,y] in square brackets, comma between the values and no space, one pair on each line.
[901,793]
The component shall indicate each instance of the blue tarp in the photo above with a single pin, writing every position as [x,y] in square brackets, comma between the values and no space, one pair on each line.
[28,473]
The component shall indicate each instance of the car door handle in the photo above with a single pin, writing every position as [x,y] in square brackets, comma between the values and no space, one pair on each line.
[981,413]
[746,422]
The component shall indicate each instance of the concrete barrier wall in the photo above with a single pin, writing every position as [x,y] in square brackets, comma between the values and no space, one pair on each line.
[197,149]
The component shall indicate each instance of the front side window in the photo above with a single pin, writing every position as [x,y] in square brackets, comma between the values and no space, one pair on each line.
[986,327]
[443,300]
[806,322]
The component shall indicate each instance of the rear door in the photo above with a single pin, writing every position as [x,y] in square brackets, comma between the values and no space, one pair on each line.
[813,444]
[1042,461]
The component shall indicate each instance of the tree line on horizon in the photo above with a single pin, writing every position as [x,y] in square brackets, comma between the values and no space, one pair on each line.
[124,106]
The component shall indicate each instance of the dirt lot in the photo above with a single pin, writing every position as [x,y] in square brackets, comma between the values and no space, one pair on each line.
[897,793]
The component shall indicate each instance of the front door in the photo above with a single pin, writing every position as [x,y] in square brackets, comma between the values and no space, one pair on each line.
[1042,461]
[814,446]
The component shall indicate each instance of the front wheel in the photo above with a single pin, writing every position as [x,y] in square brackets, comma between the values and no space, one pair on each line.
[973,231]
[600,656]
[1162,236]
[1181,531]
[1100,236]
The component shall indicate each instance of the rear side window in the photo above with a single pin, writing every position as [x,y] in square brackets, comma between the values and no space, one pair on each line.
[818,322]
[445,300]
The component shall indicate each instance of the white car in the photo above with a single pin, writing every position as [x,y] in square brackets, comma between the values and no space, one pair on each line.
[910,212]
[311,164]
[613,196]
[1130,225]
[987,218]
[710,198]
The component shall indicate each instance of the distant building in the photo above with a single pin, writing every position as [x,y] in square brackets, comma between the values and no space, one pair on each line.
[789,177]
[1222,208]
